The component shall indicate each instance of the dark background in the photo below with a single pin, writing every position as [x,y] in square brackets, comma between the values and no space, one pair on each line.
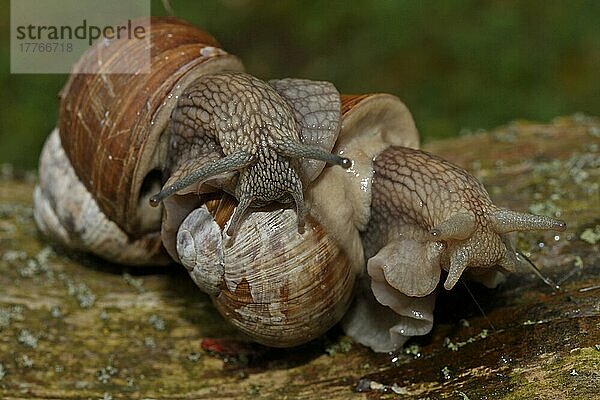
[459,65]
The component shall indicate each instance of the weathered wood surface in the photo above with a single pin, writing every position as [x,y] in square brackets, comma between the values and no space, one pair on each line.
[75,327]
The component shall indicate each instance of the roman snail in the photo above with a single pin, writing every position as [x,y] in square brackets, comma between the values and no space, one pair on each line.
[285,245]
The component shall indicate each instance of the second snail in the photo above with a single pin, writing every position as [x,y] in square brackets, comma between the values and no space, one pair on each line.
[292,206]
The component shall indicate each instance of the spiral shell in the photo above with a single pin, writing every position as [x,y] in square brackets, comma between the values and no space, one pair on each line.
[110,146]
[278,286]
[111,125]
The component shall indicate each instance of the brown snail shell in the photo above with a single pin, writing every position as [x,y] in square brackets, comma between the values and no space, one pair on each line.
[111,125]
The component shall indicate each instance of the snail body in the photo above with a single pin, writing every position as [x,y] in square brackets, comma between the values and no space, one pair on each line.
[432,216]
[235,168]
[253,127]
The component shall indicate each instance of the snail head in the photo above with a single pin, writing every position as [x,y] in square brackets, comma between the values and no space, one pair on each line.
[485,245]
[263,180]
[259,136]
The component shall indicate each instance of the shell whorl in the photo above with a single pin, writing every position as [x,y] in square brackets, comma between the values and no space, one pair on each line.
[111,125]
[278,286]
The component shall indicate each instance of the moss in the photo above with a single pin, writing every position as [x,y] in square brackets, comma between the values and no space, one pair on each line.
[576,376]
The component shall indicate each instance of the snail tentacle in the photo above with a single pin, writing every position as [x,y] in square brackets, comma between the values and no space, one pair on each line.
[299,150]
[460,226]
[300,210]
[226,164]
[504,221]
[459,261]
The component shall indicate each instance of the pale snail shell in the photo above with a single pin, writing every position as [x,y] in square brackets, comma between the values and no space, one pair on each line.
[280,287]
[392,222]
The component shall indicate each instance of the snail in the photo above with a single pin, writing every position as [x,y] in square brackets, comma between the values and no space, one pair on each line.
[292,206]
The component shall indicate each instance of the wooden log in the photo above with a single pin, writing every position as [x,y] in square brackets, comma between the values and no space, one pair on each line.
[72,326]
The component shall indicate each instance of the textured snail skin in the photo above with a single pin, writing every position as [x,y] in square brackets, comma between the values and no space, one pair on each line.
[247,115]
[248,122]
[437,202]
[427,215]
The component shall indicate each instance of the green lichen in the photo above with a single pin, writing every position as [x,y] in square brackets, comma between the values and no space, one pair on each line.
[104,316]
[455,346]
[413,350]
[254,390]
[26,338]
[592,236]
[56,312]
[8,314]
[84,295]
[551,375]
[344,345]
[446,373]
[157,322]
[13,256]
[105,374]
[136,283]
[562,185]
[149,342]
[24,361]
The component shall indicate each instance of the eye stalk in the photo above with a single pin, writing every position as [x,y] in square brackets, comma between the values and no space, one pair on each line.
[299,150]
[229,163]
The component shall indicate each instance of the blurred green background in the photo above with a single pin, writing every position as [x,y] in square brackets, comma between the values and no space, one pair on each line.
[459,65]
